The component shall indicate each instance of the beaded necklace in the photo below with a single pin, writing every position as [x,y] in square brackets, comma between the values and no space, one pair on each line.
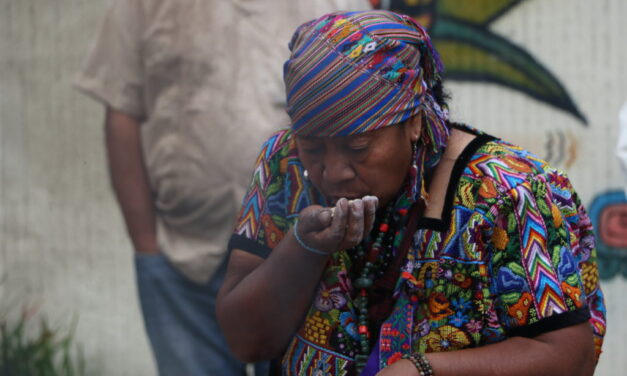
[372,265]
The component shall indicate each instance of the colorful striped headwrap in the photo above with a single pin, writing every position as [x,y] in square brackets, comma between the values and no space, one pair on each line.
[354,72]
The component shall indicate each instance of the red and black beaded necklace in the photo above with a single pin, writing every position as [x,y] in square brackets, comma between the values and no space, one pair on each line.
[378,268]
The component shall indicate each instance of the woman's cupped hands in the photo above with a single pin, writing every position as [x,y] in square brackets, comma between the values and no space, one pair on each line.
[330,229]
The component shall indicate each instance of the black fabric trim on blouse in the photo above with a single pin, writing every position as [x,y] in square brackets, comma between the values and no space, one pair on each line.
[442,224]
[548,324]
[248,245]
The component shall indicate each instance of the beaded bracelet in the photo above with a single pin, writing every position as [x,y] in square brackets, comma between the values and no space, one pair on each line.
[421,363]
[302,244]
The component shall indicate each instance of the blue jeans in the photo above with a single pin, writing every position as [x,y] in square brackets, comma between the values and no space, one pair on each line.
[180,319]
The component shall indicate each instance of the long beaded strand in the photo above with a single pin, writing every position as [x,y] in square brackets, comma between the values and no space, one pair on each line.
[373,267]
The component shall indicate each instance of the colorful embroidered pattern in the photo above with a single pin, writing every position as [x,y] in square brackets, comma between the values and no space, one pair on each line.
[277,193]
[513,255]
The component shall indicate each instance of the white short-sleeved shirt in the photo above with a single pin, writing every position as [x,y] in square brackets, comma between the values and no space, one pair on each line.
[204,79]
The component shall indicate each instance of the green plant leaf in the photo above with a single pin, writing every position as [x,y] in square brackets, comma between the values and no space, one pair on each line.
[45,353]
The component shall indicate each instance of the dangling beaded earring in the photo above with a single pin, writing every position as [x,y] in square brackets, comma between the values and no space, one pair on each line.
[306,174]
[413,170]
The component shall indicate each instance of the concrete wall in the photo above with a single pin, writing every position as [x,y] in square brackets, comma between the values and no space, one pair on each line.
[63,248]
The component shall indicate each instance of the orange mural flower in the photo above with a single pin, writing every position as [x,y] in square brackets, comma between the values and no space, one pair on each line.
[613,225]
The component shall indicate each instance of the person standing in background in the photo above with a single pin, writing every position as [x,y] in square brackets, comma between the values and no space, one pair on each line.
[191,88]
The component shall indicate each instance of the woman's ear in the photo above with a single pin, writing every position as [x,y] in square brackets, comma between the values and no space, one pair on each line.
[413,127]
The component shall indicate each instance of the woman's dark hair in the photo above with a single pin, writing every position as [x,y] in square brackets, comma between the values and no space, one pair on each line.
[440,95]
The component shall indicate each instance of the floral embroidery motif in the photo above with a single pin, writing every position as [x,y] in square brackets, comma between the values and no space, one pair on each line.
[520,310]
[328,299]
[500,238]
[446,338]
[439,306]
[574,293]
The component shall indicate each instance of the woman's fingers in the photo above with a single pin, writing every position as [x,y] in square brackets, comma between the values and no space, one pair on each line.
[370,208]
[324,228]
[353,220]
[314,218]
[341,227]
[355,225]
[340,218]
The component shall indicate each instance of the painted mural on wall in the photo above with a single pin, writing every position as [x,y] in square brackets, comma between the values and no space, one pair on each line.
[460,30]
[561,148]
[608,213]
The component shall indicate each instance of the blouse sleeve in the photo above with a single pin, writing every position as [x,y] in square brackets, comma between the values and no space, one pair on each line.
[539,252]
[583,246]
[263,218]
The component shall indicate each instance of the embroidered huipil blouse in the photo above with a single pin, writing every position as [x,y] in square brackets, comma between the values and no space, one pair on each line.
[512,255]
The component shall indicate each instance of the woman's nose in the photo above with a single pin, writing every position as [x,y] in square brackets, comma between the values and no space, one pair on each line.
[336,168]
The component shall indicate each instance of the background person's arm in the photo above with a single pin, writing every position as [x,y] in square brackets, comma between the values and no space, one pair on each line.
[130,179]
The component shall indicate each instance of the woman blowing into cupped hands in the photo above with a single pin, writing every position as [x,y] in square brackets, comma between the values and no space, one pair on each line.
[378,238]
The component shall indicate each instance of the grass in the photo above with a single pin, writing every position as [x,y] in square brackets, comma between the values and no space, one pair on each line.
[47,353]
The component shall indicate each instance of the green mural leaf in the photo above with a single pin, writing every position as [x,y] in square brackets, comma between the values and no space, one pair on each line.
[477,11]
[473,53]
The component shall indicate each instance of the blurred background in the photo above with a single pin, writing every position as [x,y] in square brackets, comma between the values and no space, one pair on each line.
[548,75]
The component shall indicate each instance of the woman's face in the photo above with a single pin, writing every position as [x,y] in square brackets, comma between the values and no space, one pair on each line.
[372,163]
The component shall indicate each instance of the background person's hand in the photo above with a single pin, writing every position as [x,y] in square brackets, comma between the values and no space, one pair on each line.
[342,227]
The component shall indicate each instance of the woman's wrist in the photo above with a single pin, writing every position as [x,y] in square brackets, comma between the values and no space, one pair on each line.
[421,363]
[305,246]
